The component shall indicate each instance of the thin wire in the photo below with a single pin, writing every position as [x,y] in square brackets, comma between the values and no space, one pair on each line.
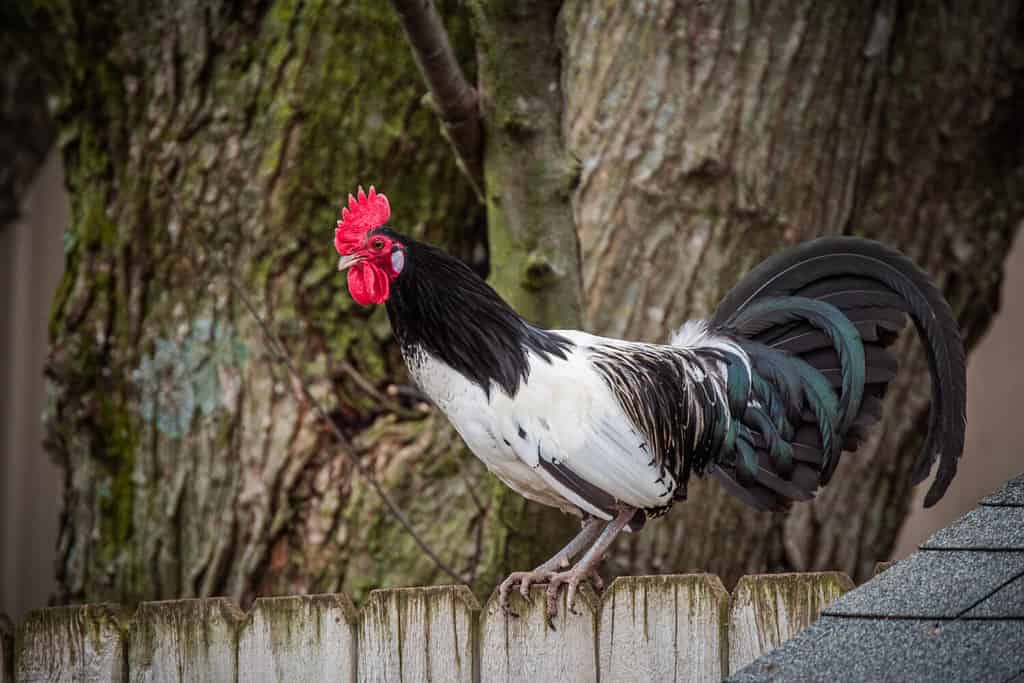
[276,347]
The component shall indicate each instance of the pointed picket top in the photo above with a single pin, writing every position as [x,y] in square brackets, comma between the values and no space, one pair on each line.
[664,628]
[419,634]
[83,643]
[522,647]
[303,639]
[185,640]
[769,609]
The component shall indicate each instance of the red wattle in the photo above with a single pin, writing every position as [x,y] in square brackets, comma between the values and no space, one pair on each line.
[368,284]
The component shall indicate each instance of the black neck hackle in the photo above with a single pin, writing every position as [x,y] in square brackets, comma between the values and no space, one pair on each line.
[440,306]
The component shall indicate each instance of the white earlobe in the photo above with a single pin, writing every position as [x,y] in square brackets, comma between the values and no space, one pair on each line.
[397,260]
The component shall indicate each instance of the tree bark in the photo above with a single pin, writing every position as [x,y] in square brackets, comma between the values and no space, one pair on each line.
[683,141]
[713,134]
[203,130]
[529,173]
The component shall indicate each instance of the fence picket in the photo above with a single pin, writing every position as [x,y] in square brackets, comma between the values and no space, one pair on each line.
[185,640]
[525,648]
[664,628]
[83,644]
[769,609]
[419,634]
[305,639]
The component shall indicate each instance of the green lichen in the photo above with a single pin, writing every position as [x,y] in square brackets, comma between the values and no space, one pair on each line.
[118,457]
[529,175]
[293,115]
[185,379]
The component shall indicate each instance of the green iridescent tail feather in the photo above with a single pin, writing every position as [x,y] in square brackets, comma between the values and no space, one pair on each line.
[817,322]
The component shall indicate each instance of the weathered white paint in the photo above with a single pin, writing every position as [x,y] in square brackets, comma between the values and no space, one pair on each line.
[664,628]
[769,609]
[301,639]
[81,644]
[648,628]
[418,634]
[185,640]
[525,648]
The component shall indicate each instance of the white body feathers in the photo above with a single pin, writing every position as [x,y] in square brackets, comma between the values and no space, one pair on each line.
[564,417]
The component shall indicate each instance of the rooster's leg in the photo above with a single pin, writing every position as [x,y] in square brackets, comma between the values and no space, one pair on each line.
[586,567]
[591,528]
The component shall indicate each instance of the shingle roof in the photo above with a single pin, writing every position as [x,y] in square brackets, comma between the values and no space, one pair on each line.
[954,610]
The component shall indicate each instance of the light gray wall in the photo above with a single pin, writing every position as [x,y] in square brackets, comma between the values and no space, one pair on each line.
[31,262]
[995,422]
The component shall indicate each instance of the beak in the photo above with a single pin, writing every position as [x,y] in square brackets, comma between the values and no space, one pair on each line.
[349,260]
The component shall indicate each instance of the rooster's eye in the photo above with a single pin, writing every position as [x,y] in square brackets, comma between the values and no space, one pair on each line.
[378,243]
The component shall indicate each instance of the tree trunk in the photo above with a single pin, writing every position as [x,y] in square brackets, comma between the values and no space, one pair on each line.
[712,134]
[195,132]
[702,137]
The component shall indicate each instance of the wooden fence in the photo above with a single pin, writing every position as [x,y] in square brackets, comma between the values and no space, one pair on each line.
[646,628]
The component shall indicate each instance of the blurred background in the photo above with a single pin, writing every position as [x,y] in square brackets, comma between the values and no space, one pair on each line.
[152,153]
[32,250]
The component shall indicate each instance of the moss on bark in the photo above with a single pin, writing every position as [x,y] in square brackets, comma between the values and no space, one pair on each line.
[712,135]
[529,172]
[707,135]
[200,131]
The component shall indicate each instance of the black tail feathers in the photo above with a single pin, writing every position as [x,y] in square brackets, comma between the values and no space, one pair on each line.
[817,321]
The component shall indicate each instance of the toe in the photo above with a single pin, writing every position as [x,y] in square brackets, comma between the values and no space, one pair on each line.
[552,609]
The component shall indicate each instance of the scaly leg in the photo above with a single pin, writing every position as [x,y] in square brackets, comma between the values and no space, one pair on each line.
[591,528]
[587,565]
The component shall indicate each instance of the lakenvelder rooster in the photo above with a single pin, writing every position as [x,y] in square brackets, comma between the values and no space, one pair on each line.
[787,374]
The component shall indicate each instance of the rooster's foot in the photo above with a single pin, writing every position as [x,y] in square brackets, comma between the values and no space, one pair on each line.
[524,580]
[571,579]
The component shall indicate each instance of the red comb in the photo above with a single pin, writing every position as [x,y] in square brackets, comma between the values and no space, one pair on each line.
[363,213]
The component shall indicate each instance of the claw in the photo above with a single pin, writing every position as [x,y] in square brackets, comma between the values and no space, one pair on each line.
[524,589]
[524,580]
[503,592]
[584,570]
[570,595]
[571,579]
[552,605]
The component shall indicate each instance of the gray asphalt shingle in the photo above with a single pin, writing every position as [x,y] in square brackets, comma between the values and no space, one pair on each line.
[840,649]
[1012,493]
[983,528]
[1007,602]
[953,611]
[909,588]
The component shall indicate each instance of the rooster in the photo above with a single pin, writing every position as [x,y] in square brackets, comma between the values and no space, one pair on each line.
[764,396]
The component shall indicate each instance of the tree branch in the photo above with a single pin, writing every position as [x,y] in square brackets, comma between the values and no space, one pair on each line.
[454,100]
[531,229]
